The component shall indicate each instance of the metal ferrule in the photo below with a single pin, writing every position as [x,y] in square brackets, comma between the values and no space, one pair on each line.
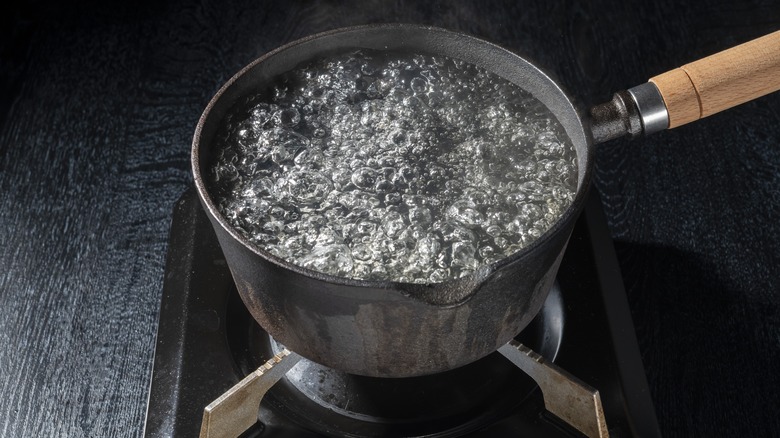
[651,106]
[639,110]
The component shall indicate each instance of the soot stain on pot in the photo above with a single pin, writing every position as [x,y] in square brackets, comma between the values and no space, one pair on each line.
[387,327]
[291,182]
[454,328]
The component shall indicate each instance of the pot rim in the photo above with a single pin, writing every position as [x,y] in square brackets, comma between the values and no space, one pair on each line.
[484,271]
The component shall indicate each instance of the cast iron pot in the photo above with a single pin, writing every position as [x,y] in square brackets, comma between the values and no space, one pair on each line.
[390,329]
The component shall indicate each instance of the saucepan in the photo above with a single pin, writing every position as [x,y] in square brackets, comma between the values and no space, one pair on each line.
[392,329]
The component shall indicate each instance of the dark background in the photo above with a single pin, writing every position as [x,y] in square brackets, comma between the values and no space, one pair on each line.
[98,102]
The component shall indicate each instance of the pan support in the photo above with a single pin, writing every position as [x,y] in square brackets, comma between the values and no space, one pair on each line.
[565,396]
[235,411]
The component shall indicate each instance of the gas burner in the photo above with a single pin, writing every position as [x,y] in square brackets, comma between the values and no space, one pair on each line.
[207,342]
[463,399]
[446,404]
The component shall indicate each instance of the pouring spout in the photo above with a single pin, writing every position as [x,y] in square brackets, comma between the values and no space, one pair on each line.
[451,293]
[639,110]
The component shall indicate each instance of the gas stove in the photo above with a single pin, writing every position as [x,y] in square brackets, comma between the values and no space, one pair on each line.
[207,342]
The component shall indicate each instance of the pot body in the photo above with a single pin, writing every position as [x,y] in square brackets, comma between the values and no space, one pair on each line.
[387,329]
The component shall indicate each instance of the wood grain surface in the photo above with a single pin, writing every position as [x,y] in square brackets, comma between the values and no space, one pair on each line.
[721,81]
[97,108]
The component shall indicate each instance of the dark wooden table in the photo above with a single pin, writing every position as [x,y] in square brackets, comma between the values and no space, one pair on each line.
[98,104]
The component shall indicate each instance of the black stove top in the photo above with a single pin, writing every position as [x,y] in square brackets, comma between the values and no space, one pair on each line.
[207,342]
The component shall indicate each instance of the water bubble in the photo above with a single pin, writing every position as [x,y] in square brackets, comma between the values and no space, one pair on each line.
[364,177]
[392,198]
[439,275]
[420,215]
[366,228]
[361,270]
[309,187]
[418,85]
[389,166]
[494,230]
[463,255]
[428,247]
[465,213]
[261,114]
[308,158]
[487,251]
[454,232]
[328,236]
[288,117]
[530,212]
[335,259]
[383,186]
[393,223]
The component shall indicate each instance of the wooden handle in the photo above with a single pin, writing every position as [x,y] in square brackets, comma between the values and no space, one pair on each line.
[721,81]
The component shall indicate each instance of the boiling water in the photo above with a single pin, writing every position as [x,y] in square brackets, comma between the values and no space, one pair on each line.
[388,166]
